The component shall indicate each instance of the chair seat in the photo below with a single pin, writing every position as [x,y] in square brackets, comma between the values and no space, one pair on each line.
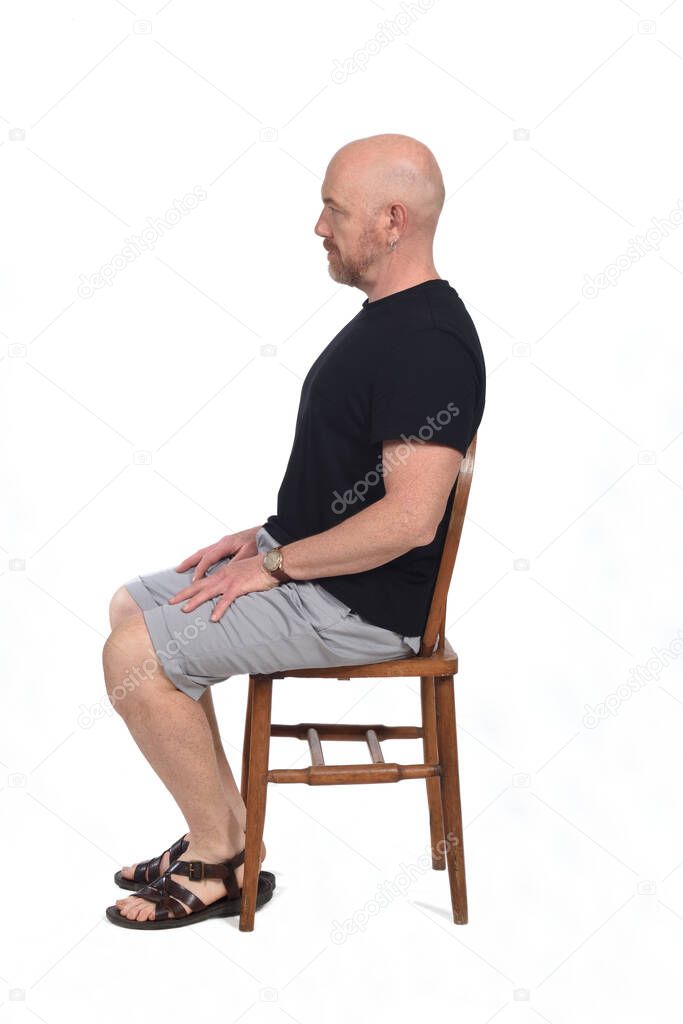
[440,663]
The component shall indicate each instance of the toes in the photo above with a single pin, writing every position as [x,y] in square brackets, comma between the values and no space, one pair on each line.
[146,911]
[129,907]
[136,909]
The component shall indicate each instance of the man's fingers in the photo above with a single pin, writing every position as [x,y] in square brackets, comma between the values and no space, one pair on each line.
[194,602]
[199,593]
[188,592]
[221,607]
[189,562]
[207,562]
[202,566]
[241,553]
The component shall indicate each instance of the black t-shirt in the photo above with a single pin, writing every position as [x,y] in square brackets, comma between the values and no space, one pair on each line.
[407,364]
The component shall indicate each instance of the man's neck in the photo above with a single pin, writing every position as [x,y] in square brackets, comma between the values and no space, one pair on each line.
[398,281]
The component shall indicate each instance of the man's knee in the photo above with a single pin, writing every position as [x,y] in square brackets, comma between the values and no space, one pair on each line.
[121,607]
[129,660]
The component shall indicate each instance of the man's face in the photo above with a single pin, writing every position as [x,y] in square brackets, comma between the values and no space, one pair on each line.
[350,236]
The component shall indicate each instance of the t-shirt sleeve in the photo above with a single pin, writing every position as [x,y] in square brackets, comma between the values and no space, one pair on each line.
[429,389]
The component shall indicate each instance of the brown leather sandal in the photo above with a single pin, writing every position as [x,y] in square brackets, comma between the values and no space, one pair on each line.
[148,870]
[168,894]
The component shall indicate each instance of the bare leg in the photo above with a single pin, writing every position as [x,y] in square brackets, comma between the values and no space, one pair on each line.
[234,797]
[123,607]
[173,733]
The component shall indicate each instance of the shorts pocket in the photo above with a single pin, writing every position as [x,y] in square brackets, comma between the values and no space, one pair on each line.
[322,609]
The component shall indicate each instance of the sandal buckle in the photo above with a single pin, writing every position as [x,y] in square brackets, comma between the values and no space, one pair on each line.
[195,870]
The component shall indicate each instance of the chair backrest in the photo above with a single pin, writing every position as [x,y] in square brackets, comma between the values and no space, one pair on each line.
[436,620]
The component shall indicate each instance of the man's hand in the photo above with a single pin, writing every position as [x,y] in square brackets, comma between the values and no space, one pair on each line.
[238,545]
[232,580]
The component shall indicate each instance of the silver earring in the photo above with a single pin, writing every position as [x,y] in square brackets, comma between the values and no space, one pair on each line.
[393,243]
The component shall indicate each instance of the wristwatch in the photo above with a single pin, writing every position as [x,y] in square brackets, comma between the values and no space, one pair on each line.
[272,563]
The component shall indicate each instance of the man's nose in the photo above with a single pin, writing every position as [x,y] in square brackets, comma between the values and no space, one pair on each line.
[321,229]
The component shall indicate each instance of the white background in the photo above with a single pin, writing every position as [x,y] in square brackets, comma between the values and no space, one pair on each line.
[568,579]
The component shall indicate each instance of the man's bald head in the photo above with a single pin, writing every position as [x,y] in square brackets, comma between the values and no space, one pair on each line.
[384,169]
[383,195]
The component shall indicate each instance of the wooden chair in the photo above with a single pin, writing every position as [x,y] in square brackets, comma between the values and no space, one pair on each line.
[435,664]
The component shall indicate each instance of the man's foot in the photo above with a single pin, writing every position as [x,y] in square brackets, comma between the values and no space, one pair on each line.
[149,875]
[136,908]
[129,871]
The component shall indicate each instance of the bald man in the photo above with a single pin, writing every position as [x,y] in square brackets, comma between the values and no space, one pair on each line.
[343,573]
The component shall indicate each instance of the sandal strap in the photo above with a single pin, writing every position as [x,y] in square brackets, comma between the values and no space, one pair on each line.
[178,848]
[158,896]
[173,889]
[148,870]
[197,870]
[169,896]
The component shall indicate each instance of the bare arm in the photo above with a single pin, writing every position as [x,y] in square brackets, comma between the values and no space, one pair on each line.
[417,488]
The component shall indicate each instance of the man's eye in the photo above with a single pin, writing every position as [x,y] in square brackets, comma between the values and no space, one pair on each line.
[332,209]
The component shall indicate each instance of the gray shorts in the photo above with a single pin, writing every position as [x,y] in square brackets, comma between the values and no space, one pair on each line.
[295,625]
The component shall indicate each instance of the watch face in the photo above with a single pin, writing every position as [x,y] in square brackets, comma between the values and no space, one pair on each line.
[272,560]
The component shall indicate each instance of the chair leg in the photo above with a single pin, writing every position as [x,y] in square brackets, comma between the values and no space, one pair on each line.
[259,743]
[429,746]
[450,795]
[244,780]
